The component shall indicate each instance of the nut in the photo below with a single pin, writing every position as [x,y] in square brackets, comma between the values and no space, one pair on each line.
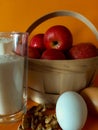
[37,119]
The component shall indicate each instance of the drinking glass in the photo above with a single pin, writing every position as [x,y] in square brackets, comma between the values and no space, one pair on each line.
[13,75]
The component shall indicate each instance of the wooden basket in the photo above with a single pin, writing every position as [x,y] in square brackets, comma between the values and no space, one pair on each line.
[48,79]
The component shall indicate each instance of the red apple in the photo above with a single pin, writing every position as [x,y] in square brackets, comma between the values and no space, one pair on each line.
[17,50]
[37,41]
[53,54]
[58,37]
[83,50]
[33,53]
[21,49]
[97,51]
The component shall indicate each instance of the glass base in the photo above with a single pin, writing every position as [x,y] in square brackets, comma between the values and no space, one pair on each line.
[12,118]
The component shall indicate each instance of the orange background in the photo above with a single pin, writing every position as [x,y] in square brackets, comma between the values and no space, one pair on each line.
[18,15]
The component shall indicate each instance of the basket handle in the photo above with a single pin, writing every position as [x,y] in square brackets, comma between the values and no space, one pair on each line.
[63,13]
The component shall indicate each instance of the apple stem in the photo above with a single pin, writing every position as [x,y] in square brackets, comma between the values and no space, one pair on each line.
[55,43]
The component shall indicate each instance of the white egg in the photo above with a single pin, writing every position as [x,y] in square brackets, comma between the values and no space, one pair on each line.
[71,111]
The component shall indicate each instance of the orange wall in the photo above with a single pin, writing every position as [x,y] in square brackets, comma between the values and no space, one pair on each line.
[17,15]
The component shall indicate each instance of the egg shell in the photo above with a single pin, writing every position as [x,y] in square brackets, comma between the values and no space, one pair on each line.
[71,111]
[90,94]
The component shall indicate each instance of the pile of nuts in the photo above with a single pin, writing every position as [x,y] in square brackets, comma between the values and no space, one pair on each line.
[37,119]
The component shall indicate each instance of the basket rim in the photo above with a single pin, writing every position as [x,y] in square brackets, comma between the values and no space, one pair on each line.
[66,60]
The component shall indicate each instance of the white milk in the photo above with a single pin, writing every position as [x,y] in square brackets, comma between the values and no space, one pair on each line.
[11,84]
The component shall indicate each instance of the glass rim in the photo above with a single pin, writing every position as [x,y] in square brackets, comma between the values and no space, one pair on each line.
[13,32]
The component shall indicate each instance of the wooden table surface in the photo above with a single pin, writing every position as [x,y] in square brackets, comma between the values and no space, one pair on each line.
[91,124]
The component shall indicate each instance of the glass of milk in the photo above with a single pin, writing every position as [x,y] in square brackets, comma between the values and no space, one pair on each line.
[13,75]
